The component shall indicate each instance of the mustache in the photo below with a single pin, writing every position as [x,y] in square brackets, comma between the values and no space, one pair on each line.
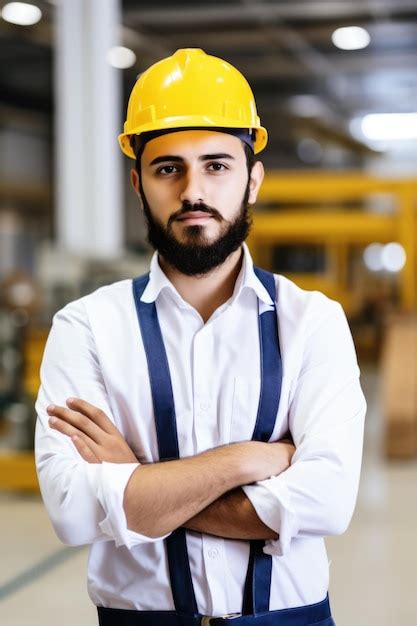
[187,207]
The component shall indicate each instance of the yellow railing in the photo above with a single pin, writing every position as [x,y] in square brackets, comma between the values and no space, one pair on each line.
[327,221]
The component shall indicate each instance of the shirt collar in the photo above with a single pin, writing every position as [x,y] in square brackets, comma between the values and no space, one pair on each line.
[246,279]
[158,281]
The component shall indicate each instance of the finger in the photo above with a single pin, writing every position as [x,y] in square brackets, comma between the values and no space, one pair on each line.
[82,423]
[64,427]
[95,414]
[84,450]
[67,429]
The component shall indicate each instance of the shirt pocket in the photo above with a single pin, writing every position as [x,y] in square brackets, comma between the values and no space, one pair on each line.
[244,407]
[246,393]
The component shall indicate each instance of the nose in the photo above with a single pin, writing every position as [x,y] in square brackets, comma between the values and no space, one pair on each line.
[192,190]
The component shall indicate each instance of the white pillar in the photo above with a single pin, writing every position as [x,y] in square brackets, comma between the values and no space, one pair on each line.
[87,122]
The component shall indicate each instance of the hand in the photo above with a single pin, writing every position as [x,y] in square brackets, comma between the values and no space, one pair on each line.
[92,432]
[286,451]
[261,460]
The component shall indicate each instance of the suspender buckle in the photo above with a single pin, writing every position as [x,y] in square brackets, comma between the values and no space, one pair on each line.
[206,619]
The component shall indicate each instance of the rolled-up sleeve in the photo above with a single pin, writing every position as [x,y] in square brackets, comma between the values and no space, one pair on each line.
[316,495]
[84,501]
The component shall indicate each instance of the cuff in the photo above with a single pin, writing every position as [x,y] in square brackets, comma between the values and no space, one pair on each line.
[272,503]
[112,482]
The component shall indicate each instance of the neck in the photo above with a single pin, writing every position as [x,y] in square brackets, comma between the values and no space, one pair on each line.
[207,292]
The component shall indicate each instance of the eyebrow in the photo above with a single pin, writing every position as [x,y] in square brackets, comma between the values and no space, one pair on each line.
[204,157]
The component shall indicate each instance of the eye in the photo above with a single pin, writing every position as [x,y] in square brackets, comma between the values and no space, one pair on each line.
[167,169]
[217,167]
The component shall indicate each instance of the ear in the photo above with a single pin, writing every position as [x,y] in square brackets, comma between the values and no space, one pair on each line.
[256,178]
[134,179]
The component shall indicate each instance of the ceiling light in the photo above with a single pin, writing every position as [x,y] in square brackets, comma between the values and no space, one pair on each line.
[393,257]
[389,126]
[21,13]
[351,38]
[372,257]
[121,57]
[307,105]
[309,150]
[390,257]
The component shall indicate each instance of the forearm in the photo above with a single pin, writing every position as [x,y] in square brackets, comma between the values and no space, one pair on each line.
[231,516]
[160,497]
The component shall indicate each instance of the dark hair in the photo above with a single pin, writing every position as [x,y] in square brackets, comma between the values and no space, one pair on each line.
[250,155]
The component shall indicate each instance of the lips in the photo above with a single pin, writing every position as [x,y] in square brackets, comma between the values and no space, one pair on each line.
[191,215]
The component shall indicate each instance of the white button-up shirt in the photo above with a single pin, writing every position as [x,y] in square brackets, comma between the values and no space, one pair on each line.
[95,352]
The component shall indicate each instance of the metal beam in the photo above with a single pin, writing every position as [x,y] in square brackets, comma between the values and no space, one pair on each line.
[401,33]
[288,11]
[273,67]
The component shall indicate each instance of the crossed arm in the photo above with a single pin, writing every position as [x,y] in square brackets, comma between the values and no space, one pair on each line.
[231,516]
[201,493]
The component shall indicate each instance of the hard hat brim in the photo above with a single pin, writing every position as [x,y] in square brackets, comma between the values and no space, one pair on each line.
[261,138]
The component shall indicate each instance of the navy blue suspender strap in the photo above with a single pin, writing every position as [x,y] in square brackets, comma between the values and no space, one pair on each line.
[258,579]
[271,365]
[258,582]
[167,436]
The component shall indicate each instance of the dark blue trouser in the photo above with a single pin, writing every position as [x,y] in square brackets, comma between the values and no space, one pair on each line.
[310,615]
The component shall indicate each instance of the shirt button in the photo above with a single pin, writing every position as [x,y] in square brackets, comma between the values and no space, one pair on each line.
[204,406]
[213,552]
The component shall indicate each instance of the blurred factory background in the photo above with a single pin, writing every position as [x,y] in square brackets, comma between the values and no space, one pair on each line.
[336,87]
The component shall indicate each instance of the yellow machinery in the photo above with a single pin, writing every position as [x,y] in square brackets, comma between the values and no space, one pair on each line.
[17,471]
[338,228]
[22,348]
[17,468]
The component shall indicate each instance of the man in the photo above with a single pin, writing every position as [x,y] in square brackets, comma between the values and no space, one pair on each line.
[173,458]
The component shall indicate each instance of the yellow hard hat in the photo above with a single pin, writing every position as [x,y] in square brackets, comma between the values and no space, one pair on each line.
[191,89]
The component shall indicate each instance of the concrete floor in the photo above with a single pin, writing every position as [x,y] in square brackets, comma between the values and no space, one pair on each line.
[372,565]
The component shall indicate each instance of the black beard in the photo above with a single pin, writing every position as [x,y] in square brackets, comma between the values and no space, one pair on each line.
[199,256]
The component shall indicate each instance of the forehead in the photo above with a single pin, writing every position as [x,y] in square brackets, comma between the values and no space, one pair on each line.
[191,144]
